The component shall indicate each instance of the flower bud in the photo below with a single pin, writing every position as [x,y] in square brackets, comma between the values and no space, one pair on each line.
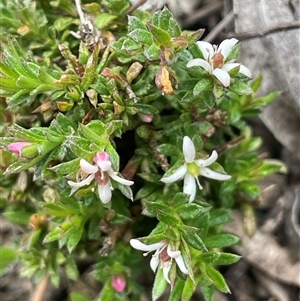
[118,283]
[16,147]
[146,118]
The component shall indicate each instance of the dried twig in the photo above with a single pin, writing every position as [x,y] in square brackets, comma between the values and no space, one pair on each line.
[203,12]
[254,34]
[135,6]
[218,29]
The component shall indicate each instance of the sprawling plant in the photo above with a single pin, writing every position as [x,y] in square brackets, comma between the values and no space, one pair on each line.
[122,133]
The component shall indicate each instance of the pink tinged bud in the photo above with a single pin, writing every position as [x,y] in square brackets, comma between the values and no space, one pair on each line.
[16,147]
[118,283]
[146,118]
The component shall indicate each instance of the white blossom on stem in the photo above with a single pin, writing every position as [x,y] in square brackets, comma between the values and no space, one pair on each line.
[101,172]
[193,168]
[214,61]
[163,256]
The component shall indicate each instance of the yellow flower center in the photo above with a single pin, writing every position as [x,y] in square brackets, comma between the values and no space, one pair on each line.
[193,169]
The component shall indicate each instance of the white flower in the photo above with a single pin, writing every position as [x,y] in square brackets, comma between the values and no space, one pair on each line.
[214,60]
[192,168]
[101,172]
[163,256]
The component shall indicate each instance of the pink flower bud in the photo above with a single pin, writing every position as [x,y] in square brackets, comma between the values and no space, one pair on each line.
[118,283]
[146,118]
[16,147]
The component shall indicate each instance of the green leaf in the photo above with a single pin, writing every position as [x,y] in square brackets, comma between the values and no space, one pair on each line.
[104,19]
[74,238]
[93,231]
[234,53]
[221,240]
[270,166]
[208,99]
[59,210]
[24,134]
[165,20]
[188,289]
[80,147]
[172,233]
[217,279]
[146,109]
[7,256]
[219,217]
[176,293]
[66,168]
[249,189]
[71,268]
[95,131]
[195,51]
[219,258]
[167,218]
[159,286]
[135,23]
[79,297]
[193,239]
[152,52]
[240,87]
[150,177]
[167,149]
[107,293]
[202,85]
[208,289]
[189,211]
[18,217]
[180,199]
[141,36]
[53,235]
[145,191]
[161,37]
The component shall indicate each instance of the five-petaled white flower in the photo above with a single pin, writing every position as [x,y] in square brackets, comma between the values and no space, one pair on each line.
[101,172]
[192,168]
[163,256]
[214,60]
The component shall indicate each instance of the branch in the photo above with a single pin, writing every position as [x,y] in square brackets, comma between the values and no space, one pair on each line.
[254,34]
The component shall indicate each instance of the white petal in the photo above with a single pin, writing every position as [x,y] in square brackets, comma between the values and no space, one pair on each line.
[181,265]
[105,193]
[171,253]
[154,262]
[166,270]
[188,150]
[208,173]
[222,76]
[178,174]
[135,243]
[229,66]
[206,162]
[226,46]
[119,179]
[244,70]
[206,49]
[87,167]
[104,165]
[189,186]
[84,182]
[199,63]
